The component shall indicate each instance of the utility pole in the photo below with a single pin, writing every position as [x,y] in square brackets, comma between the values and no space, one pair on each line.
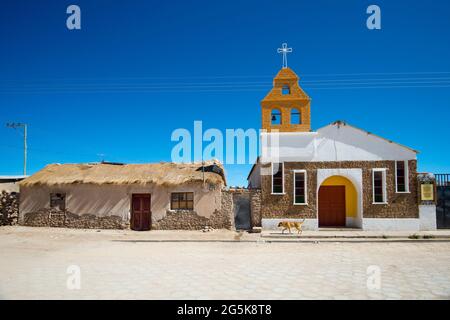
[24,126]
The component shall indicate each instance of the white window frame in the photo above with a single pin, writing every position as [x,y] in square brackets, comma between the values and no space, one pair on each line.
[306,187]
[406,176]
[383,182]
[282,179]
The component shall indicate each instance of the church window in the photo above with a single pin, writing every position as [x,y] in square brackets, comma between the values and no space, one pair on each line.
[401,176]
[296,116]
[277,178]
[276,117]
[379,185]
[285,89]
[300,196]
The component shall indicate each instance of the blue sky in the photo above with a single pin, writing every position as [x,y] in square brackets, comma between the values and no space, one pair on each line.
[86,92]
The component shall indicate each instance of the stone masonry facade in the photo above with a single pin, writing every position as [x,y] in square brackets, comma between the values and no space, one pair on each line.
[46,217]
[296,100]
[9,208]
[255,207]
[400,205]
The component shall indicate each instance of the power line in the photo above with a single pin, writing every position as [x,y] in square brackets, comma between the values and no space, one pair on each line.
[172,84]
[224,90]
[161,86]
[234,86]
[218,84]
[379,87]
[235,76]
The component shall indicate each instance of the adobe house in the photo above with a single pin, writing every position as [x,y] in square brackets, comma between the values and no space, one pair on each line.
[118,196]
[336,176]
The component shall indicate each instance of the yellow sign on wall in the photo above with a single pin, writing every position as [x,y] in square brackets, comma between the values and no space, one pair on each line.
[427,192]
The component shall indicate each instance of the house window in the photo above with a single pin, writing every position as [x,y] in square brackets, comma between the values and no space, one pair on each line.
[277,178]
[295,116]
[58,201]
[285,89]
[276,117]
[379,185]
[182,201]
[401,176]
[300,187]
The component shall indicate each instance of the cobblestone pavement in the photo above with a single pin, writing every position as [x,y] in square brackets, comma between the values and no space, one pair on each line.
[34,265]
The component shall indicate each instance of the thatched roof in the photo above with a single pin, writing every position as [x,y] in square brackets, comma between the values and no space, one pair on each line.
[164,173]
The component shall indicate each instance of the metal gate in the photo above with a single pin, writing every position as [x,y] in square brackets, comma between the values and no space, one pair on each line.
[242,216]
[443,201]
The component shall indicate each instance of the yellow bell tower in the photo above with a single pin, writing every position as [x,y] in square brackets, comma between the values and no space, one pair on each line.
[286,108]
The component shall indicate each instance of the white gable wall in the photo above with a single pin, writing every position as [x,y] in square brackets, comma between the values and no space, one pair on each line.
[330,143]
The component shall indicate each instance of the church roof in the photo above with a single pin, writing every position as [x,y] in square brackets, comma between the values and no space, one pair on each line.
[286,73]
[339,123]
[286,77]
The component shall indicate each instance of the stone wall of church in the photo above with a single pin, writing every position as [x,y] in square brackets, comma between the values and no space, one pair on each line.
[400,205]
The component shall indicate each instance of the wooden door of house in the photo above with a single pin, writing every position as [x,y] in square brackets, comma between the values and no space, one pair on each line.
[141,212]
[332,206]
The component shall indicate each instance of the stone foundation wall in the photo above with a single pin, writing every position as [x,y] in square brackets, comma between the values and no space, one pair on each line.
[190,220]
[64,219]
[9,208]
[400,205]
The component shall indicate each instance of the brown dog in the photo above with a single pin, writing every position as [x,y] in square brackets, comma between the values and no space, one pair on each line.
[287,225]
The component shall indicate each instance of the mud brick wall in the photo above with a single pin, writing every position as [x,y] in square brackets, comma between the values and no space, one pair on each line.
[64,219]
[9,208]
[400,205]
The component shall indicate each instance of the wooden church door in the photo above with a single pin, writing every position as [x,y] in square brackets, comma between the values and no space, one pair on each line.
[332,206]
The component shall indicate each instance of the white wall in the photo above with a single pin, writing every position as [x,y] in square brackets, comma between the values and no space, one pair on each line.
[427,216]
[390,224]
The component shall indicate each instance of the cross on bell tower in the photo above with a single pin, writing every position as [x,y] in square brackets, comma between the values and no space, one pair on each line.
[284,50]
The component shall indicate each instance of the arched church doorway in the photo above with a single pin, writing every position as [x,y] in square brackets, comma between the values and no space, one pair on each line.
[337,202]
